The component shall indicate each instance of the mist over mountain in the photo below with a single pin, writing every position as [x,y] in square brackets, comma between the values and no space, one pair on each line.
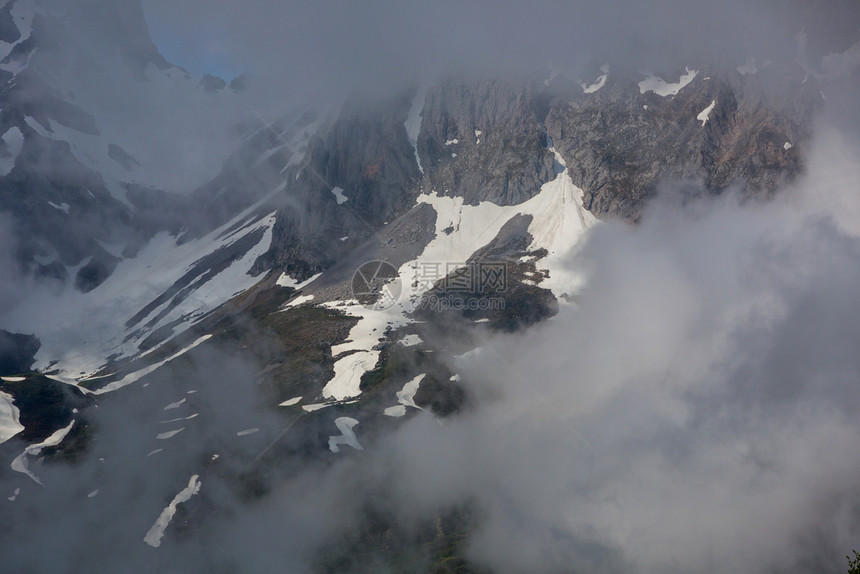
[475,287]
[382,45]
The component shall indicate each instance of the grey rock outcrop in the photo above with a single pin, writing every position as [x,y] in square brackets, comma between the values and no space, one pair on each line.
[620,144]
[357,175]
[17,352]
[484,141]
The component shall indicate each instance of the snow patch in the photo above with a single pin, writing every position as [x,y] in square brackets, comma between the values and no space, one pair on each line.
[363,337]
[286,281]
[299,300]
[315,407]
[45,260]
[339,196]
[454,141]
[663,88]
[10,424]
[156,533]
[347,436]
[559,222]
[37,127]
[291,402]
[748,68]
[98,317]
[599,83]
[137,375]
[787,146]
[246,432]
[64,207]
[395,411]
[406,395]
[22,12]
[347,375]
[13,379]
[413,124]
[14,140]
[266,155]
[20,462]
[175,405]
[169,434]
[406,398]
[410,340]
[180,419]
[705,114]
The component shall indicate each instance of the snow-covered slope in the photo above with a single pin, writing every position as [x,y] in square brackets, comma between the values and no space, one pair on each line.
[558,224]
[113,144]
[168,286]
[10,425]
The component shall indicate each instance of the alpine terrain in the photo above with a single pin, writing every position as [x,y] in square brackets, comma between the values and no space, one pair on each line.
[478,288]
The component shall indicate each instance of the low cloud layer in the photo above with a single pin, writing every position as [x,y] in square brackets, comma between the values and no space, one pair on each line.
[696,412]
[336,45]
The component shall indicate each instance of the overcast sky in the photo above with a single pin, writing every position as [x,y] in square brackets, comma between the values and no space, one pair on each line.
[336,42]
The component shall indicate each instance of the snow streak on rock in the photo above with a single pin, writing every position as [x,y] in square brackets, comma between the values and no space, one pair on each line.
[156,533]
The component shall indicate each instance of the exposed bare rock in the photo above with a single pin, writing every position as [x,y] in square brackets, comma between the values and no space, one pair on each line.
[484,141]
[621,144]
[357,175]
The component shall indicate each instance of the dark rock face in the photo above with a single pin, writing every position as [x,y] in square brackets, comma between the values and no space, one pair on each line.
[200,272]
[503,284]
[61,209]
[489,141]
[620,144]
[483,142]
[45,405]
[357,175]
[245,178]
[119,24]
[367,155]
[95,272]
[122,157]
[212,84]
[241,82]
[17,352]
[9,32]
